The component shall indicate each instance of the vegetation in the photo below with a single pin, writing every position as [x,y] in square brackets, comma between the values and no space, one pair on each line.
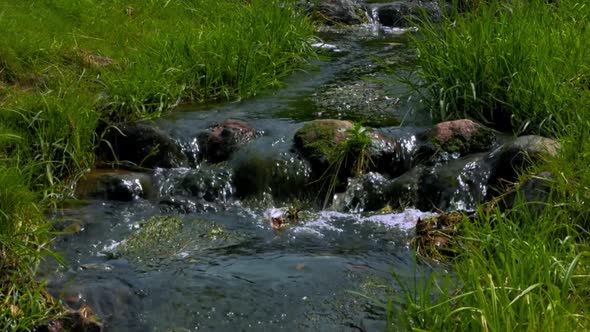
[523,66]
[65,66]
[516,64]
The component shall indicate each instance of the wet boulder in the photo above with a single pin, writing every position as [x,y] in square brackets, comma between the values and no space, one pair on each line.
[399,14]
[140,144]
[338,11]
[459,184]
[455,138]
[220,141]
[117,185]
[340,146]
[210,183]
[515,156]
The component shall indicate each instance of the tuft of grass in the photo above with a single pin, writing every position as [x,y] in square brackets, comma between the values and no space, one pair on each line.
[350,157]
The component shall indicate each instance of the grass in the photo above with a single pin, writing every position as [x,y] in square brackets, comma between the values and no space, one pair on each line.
[521,66]
[66,65]
[513,65]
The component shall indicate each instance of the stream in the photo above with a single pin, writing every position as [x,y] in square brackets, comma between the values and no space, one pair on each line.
[224,267]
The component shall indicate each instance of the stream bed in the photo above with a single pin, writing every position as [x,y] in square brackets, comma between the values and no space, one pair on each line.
[224,266]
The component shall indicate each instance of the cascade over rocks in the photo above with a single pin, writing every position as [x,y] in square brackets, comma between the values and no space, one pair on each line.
[141,144]
[219,142]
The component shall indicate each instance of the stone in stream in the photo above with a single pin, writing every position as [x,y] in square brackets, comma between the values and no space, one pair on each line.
[455,185]
[164,238]
[511,158]
[117,185]
[323,143]
[337,11]
[400,13]
[454,138]
[220,141]
[534,191]
[141,144]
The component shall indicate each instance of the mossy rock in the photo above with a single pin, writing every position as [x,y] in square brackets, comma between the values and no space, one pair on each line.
[455,138]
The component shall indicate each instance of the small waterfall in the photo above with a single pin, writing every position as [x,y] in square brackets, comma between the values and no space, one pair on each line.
[372,13]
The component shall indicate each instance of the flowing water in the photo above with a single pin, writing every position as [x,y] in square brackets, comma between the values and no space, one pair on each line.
[224,267]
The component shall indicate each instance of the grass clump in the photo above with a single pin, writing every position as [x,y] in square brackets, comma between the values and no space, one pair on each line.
[515,65]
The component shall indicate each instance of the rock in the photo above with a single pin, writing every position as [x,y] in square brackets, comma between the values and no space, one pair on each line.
[220,141]
[320,142]
[339,11]
[455,185]
[117,185]
[519,154]
[399,14]
[140,144]
[455,138]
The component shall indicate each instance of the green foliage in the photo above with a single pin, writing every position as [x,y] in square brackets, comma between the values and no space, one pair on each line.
[519,65]
[348,157]
[516,65]
[146,56]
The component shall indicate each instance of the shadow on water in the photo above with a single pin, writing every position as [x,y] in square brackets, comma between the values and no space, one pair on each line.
[223,266]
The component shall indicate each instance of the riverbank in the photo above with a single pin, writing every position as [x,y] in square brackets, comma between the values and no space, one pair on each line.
[520,66]
[66,66]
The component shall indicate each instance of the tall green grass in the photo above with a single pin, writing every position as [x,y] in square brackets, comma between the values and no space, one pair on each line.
[516,65]
[520,66]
